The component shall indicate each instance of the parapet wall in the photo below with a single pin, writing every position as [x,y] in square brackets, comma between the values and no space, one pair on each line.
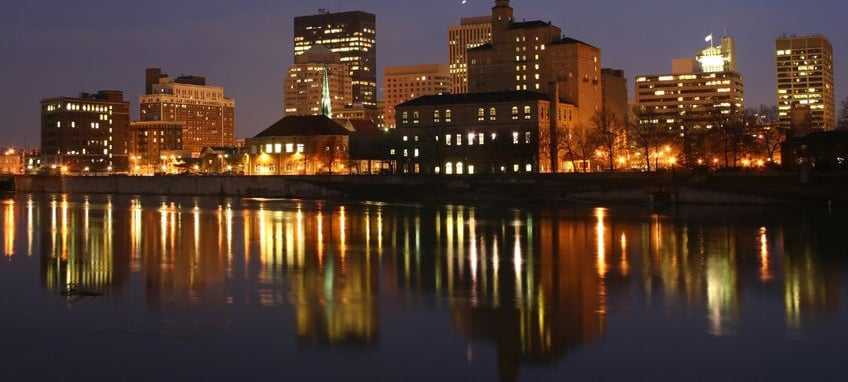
[631,188]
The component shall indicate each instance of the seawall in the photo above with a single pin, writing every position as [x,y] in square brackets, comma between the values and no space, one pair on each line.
[631,188]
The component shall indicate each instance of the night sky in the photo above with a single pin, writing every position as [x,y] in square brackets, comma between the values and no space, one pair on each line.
[59,48]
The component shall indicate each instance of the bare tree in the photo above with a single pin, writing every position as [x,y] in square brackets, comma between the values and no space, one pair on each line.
[608,131]
[644,129]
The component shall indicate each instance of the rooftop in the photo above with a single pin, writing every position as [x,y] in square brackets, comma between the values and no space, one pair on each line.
[311,125]
[491,97]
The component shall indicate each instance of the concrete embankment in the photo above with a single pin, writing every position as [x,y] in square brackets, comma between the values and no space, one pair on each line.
[630,188]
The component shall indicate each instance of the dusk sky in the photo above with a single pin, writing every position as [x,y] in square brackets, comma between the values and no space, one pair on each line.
[59,48]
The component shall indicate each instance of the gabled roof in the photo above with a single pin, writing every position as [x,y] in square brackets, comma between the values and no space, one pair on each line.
[492,97]
[362,126]
[300,126]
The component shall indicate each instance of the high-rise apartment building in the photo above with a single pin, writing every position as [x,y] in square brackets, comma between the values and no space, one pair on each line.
[305,89]
[470,33]
[208,116]
[404,83]
[699,93]
[805,89]
[531,55]
[353,35]
[85,133]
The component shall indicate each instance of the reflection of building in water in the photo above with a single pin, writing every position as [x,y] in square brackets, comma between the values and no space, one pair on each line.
[810,284]
[182,252]
[80,245]
[9,227]
[325,258]
[518,281]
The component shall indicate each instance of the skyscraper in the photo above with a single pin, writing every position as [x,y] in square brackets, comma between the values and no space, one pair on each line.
[404,83]
[805,93]
[352,35]
[86,133]
[470,33]
[531,55]
[208,116]
[305,80]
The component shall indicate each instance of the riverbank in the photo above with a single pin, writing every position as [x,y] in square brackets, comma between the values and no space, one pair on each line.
[752,188]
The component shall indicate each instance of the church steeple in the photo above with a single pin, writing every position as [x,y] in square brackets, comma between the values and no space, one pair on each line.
[326,101]
[502,12]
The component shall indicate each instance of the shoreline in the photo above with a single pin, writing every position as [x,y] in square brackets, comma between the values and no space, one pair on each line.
[654,189]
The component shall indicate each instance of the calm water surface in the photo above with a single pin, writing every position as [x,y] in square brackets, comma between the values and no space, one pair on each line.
[222,289]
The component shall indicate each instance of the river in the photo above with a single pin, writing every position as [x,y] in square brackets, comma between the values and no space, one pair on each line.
[259,289]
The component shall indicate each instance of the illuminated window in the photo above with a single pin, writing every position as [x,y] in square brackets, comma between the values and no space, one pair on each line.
[269,148]
[449,168]
[436,116]
[481,114]
[481,138]
[493,114]
[515,138]
[300,148]
[527,136]
[415,117]
[459,168]
[448,115]
[471,138]
[448,138]
[528,112]
[278,148]
[515,112]
[405,117]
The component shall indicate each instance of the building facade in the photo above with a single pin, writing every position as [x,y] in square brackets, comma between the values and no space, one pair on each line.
[693,99]
[11,162]
[298,145]
[481,133]
[471,32]
[85,133]
[150,141]
[530,56]
[615,94]
[699,93]
[207,115]
[805,84]
[404,83]
[305,89]
[353,35]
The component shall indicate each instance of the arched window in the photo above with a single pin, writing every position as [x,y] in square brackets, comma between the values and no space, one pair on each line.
[481,114]
[448,115]
[493,114]
[528,112]
[405,117]
[515,112]
[436,116]
[415,117]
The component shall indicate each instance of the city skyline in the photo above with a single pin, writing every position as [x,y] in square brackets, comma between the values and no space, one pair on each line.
[247,47]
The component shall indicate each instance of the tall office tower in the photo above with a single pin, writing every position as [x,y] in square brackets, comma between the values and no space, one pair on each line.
[470,33]
[533,54]
[805,93]
[305,83]
[404,83]
[208,116]
[353,35]
[86,133]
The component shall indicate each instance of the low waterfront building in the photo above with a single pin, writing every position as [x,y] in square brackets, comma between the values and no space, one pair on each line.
[482,133]
[149,141]
[10,162]
[827,150]
[298,145]
[85,133]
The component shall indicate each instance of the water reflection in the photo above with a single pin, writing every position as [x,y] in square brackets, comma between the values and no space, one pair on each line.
[533,284]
